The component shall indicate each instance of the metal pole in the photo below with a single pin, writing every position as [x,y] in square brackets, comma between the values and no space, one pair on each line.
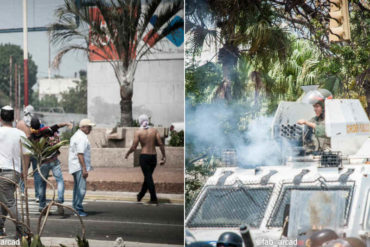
[25,52]
[49,54]
[16,90]
[19,89]
[10,80]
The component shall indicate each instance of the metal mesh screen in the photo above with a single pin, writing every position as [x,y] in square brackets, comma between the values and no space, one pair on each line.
[230,207]
[277,218]
[331,159]
[229,157]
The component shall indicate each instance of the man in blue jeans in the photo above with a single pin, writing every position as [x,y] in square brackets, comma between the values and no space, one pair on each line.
[79,163]
[25,126]
[51,163]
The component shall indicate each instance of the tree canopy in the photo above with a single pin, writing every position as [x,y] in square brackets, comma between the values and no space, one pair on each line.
[7,50]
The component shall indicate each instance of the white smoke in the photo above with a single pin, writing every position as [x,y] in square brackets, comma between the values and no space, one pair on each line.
[218,126]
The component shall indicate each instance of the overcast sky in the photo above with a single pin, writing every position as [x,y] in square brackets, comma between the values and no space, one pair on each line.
[40,13]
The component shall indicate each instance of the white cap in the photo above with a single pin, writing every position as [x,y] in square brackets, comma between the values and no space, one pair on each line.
[7,108]
[86,122]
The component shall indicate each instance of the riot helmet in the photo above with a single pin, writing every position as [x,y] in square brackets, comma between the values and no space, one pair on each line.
[230,239]
[317,96]
[320,237]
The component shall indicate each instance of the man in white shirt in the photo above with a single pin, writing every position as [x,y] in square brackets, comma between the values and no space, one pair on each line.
[79,163]
[10,165]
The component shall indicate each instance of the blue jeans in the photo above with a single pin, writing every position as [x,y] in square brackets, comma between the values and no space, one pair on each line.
[45,168]
[36,177]
[79,191]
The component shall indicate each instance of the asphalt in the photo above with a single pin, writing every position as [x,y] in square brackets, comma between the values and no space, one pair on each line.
[138,224]
[169,180]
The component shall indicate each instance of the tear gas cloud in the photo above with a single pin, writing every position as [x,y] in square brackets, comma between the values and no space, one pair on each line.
[216,126]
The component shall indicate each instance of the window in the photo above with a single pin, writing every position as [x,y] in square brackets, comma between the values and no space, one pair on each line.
[231,207]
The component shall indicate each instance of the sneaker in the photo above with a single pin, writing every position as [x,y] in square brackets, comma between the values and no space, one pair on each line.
[81,214]
[2,234]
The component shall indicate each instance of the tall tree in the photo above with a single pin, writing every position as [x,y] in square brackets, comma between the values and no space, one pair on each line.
[121,35]
[7,50]
[239,28]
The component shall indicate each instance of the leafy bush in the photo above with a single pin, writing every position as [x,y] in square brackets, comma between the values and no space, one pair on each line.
[177,139]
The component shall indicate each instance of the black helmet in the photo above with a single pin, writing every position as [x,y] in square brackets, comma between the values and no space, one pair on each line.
[230,239]
[322,236]
[7,114]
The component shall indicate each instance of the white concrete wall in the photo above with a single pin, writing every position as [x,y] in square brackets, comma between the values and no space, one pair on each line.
[55,86]
[158,90]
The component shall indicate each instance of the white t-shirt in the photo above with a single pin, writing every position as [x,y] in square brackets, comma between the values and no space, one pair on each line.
[79,144]
[10,148]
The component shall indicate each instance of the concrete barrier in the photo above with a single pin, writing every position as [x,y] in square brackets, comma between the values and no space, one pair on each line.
[115,157]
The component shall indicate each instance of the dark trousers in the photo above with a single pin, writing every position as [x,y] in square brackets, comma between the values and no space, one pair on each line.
[148,163]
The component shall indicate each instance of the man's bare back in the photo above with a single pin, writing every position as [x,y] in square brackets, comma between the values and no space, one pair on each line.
[148,138]
[23,126]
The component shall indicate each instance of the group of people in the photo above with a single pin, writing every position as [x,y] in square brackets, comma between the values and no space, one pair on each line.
[14,157]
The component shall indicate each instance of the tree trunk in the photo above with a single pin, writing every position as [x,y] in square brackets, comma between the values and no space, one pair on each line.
[228,57]
[367,93]
[126,106]
[257,80]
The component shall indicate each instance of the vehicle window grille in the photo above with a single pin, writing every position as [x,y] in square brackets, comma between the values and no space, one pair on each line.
[231,206]
[277,217]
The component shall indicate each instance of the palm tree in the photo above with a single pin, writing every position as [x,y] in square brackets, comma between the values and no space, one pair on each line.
[121,34]
[241,28]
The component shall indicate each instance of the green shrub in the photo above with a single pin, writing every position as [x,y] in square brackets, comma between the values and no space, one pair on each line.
[177,139]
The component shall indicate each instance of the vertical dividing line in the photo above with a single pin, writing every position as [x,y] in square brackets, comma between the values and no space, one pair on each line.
[10,80]
[25,52]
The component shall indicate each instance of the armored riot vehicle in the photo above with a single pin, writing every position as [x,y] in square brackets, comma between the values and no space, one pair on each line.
[283,203]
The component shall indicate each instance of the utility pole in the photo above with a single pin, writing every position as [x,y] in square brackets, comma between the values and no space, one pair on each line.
[25,52]
[49,59]
[10,80]
[19,90]
[16,90]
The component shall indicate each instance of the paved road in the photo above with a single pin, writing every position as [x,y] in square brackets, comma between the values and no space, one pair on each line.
[108,220]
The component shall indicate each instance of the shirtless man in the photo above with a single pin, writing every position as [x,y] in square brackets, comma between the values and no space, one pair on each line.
[148,138]
[25,126]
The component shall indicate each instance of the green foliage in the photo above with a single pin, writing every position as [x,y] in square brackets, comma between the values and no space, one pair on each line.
[47,101]
[66,135]
[177,139]
[75,100]
[202,81]
[34,242]
[40,149]
[7,50]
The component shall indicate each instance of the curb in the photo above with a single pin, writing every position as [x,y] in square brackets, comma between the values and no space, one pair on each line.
[55,242]
[116,196]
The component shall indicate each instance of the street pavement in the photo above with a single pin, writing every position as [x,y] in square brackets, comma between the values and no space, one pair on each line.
[169,180]
[138,224]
